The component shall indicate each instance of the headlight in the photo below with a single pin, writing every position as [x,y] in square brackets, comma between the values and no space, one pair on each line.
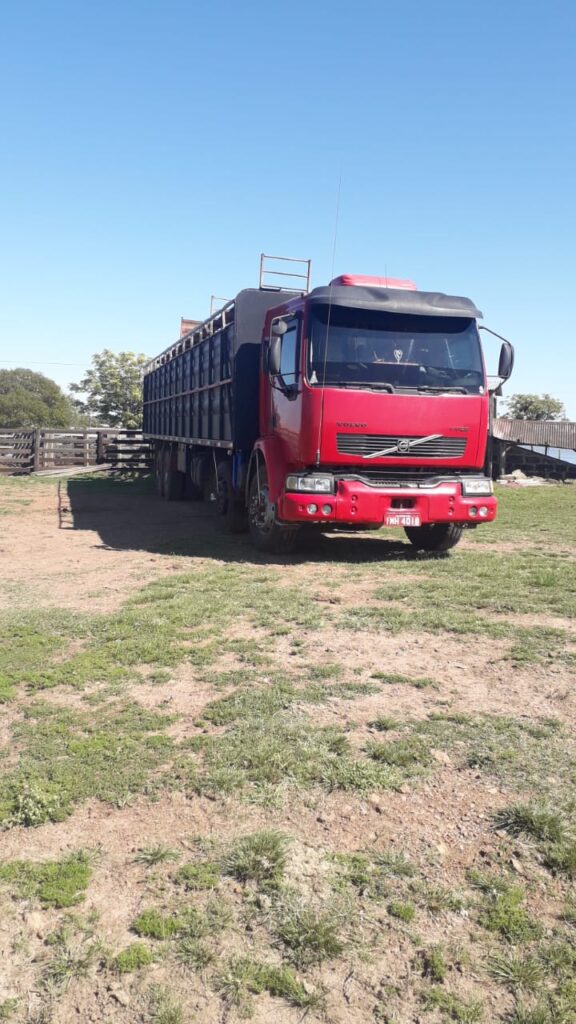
[311,484]
[479,486]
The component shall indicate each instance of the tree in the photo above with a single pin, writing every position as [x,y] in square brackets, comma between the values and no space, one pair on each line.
[534,407]
[29,400]
[113,387]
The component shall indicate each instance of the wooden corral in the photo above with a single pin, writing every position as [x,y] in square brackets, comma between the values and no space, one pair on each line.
[34,451]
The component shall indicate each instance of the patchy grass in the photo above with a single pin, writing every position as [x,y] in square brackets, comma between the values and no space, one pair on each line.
[151,924]
[439,899]
[503,913]
[453,1007]
[539,822]
[277,694]
[193,954]
[433,964]
[257,754]
[561,857]
[394,678]
[520,752]
[8,1008]
[257,741]
[405,912]
[478,593]
[133,958]
[67,756]
[185,922]
[164,1008]
[395,865]
[242,977]
[150,856]
[410,753]
[198,875]
[169,621]
[260,857]
[75,953]
[53,883]
[515,971]
[384,723]
[309,934]
[554,834]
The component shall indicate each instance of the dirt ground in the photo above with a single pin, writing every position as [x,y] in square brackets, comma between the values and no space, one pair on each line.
[88,553]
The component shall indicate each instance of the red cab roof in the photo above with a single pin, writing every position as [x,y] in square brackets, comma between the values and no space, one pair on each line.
[364,281]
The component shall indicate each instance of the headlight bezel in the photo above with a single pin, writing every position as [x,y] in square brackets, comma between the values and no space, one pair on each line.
[307,483]
[477,487]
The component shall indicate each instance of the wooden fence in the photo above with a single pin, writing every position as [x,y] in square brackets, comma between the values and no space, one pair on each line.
[16,451]
[32,451]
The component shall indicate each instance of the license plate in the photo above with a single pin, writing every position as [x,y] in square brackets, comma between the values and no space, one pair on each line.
[402,519]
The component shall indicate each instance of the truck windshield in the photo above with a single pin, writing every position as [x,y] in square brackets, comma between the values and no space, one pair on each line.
[395,351]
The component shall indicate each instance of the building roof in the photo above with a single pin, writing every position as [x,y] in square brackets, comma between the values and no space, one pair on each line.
[545,433]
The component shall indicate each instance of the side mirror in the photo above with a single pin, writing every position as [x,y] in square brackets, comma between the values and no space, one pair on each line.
[279,328]
[274,355]
[506,361]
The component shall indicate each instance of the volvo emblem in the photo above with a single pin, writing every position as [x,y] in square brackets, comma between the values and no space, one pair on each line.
[404,446]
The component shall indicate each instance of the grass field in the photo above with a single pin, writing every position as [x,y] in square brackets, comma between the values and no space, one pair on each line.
[339,788]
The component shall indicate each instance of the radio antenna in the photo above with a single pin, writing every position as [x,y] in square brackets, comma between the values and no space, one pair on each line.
[336,219]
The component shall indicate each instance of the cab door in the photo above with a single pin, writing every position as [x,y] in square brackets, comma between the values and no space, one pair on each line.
[286,388]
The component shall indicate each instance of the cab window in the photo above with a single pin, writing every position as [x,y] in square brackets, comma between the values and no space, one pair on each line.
[290,353]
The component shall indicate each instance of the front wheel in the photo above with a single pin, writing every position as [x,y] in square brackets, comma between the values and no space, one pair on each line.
[434,536]
[265,533]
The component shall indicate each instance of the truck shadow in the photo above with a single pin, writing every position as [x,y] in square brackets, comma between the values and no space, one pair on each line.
[127,514]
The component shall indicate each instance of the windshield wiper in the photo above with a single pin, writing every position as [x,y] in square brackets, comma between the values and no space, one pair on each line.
[440,390]
[373,385]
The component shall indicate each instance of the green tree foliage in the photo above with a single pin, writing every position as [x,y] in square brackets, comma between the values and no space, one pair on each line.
[29,399]
[113,387]
[534,407]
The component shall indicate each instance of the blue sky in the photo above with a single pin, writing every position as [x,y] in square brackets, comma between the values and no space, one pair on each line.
[152,150]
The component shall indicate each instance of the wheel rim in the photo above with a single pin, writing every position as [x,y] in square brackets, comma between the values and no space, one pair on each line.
[261,511]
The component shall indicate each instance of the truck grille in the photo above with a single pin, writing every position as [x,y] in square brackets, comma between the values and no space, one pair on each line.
[367,444]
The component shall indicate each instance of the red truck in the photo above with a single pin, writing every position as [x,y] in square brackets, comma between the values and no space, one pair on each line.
[356,405]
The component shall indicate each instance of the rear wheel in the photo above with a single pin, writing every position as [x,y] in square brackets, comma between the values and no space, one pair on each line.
[265,532]
[173,480]
[434,536]
[159,471]
[231,510]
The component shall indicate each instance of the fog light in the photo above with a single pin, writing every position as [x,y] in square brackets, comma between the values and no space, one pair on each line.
[312,508]
[473,511]
[327,510]
[483,511]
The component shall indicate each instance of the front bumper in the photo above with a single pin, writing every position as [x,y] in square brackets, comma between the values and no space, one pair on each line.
[361,504]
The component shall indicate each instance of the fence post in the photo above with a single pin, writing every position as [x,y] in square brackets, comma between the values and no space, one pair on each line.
[36,450]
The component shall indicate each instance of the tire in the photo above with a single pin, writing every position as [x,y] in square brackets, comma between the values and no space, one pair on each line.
[173,480]
[159,472]
[231,511]
[434,536]
[265,533]
[209,484]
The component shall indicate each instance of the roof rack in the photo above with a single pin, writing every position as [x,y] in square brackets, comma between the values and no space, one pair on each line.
[293,275]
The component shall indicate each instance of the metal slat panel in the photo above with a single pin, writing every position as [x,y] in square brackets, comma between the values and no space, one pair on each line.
[543,433]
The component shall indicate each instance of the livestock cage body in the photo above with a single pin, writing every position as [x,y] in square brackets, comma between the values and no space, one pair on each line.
[204,389]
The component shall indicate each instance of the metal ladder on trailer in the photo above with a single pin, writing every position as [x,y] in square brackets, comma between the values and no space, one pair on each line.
[294,276]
